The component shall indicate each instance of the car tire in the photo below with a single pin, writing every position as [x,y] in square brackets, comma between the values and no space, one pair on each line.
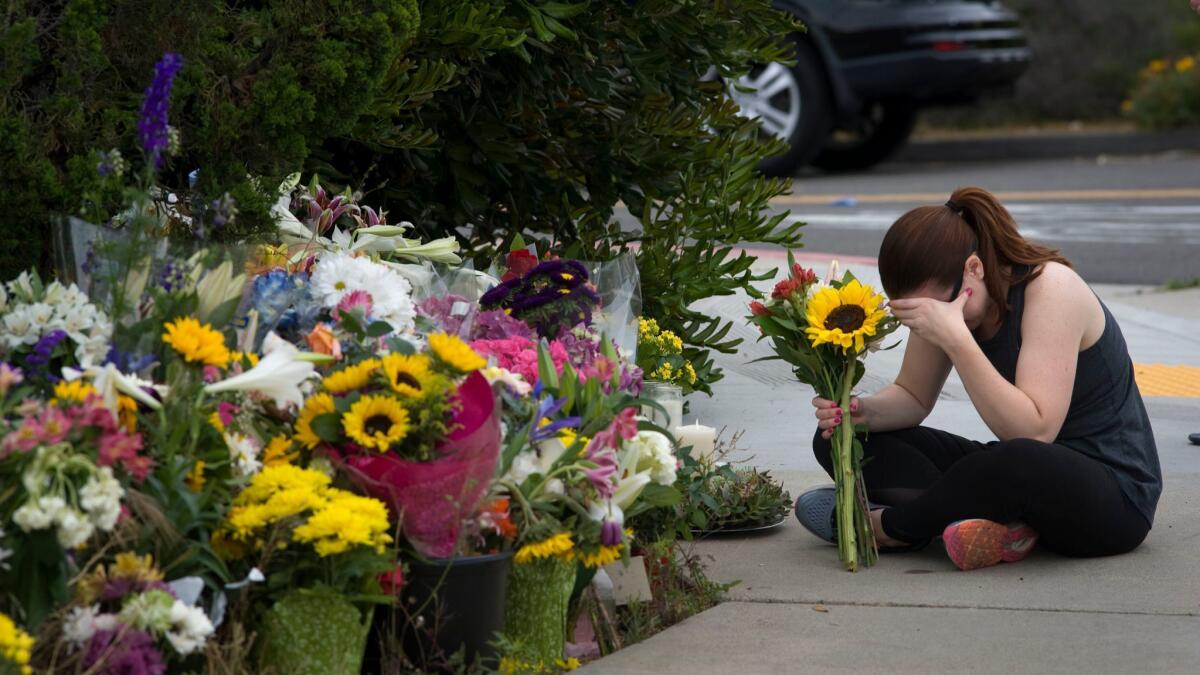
[883,129]
[807,125]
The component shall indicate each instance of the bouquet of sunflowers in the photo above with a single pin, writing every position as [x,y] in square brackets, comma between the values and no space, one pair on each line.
[824,331]
[418,430]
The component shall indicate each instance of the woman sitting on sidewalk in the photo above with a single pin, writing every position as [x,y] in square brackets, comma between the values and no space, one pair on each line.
[1047,368]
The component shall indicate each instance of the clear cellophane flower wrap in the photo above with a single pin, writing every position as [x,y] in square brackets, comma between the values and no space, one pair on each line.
[431,499]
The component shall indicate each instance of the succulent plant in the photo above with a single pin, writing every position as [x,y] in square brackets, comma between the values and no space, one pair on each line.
[743,497]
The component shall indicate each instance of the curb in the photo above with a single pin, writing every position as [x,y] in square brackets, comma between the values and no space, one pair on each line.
[1048,146]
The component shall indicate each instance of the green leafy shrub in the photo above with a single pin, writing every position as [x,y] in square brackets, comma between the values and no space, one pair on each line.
[263,84]
[603,104]
[482,118]
[1167,95]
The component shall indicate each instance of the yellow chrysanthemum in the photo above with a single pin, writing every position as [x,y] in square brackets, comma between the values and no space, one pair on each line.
[351,377]
[316,405]
[454,353]
[844,316]
[280,478]
[279,451]
[1158,65]
[1185,64]
[127,412]
[16,646]
[376,422]
[244,357]
[197,343]
[602,557]
[134,566]
[75,391]
[195,477]
[346,520]
[559,545]
[408,376]
[214,420]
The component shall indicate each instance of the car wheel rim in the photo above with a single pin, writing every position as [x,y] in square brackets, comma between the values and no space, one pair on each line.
[771,95]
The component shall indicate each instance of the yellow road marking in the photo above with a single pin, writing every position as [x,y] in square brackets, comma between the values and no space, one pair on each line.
[1014,195]
[1156,379]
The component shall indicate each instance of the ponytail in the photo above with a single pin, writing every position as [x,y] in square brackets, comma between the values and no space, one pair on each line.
[930,244]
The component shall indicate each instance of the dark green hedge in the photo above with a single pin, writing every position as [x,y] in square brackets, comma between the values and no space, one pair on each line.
[481,117]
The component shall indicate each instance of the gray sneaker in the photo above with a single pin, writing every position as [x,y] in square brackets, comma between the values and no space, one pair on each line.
[815,510]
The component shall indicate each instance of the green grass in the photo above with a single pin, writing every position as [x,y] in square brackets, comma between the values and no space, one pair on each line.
[1181,284]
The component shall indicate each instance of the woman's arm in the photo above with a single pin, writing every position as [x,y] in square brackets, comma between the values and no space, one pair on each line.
[1058,307]
[903,404]
[909,400]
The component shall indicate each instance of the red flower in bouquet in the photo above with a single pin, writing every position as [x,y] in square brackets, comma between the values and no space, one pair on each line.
[786,288]
[806,277]
[392,581]
[519,263]
[759,309]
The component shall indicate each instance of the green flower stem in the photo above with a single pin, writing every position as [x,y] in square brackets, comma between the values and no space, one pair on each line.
[520,497]
[856,539]
[843,452]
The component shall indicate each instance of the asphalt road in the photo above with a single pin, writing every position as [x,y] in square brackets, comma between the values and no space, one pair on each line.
[1126,220]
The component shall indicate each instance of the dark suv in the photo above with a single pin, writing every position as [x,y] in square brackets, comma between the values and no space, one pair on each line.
[864,68]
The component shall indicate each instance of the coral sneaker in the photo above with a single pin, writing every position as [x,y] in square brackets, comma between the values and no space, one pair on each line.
[976,542]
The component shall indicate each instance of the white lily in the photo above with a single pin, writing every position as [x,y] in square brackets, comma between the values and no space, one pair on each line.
[108,381]
[629,488]
[218,287]
[442,250]
[278,375]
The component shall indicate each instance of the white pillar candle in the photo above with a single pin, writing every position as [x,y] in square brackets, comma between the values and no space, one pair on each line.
[702,439]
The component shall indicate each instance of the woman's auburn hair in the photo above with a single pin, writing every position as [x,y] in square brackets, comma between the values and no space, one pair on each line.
[931,243]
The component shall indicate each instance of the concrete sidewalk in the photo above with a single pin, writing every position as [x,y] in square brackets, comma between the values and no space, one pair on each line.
[796,610]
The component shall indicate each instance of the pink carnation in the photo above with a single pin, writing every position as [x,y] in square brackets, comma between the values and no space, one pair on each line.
[519,355]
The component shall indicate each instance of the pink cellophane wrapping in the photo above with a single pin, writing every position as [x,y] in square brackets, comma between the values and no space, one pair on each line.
[432,498]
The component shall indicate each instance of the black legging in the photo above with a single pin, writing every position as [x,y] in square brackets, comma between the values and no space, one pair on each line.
[931,478]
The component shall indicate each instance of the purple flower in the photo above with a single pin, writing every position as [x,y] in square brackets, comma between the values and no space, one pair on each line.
[610,533]
[172,276]
[123,652]
[43,351]
[152,127]
[552,297]
[548,407]
[496,325]
[128,362]
[601,477]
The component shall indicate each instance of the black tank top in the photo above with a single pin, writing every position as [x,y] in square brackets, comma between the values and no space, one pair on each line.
[1107,419]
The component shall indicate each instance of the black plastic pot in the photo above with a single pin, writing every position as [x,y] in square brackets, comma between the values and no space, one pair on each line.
[446,606]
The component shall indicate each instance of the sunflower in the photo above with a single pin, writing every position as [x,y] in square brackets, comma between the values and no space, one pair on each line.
[455,353]
[408,376]
[560,545]
[844,316]
[601,557]
[316,405]
[351,377]
[197,343]
[376,422]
